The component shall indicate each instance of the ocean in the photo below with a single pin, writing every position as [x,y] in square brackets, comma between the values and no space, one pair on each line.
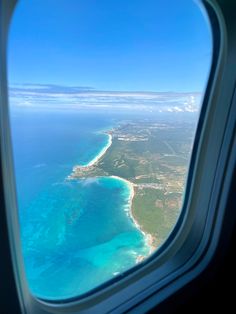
[75,235]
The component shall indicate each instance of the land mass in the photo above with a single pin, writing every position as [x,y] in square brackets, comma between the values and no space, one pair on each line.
[154,158]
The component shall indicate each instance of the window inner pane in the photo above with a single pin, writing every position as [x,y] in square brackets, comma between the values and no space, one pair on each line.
[104,102]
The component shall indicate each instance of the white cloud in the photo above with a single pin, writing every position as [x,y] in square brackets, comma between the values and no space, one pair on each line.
[60,97]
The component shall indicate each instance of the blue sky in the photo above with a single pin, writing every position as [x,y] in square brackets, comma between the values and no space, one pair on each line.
[122,45]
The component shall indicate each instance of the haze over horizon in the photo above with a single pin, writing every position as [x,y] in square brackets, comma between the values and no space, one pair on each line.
[78,97]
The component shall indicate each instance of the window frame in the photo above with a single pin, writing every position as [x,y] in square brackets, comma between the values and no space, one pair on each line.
[194,240]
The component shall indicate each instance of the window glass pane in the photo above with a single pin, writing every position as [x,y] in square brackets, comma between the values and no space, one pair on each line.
[104,102]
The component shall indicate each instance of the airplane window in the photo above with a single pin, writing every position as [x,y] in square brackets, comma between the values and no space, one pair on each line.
[104,102]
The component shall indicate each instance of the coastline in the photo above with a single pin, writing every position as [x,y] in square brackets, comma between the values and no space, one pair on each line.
[101,153]
[92,162]
[148,237]
[149,240]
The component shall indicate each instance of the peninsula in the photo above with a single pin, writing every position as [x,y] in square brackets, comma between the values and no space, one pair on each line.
[153,159]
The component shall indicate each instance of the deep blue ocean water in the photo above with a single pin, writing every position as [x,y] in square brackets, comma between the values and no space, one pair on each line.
[75,234]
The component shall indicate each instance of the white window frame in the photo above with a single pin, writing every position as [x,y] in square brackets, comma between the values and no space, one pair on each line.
[193,243]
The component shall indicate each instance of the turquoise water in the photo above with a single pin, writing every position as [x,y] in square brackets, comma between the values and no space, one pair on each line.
[75,234]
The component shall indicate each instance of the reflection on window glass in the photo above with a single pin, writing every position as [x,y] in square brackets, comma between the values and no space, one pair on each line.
[104,102]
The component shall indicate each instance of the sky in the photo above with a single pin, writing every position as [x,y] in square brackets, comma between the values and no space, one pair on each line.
[110,45]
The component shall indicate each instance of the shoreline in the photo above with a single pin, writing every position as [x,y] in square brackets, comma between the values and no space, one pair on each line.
[149,239]
[101,153]
[92,162]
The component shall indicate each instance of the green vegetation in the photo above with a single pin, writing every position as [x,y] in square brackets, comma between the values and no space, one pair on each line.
[156,213]
[154,157]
